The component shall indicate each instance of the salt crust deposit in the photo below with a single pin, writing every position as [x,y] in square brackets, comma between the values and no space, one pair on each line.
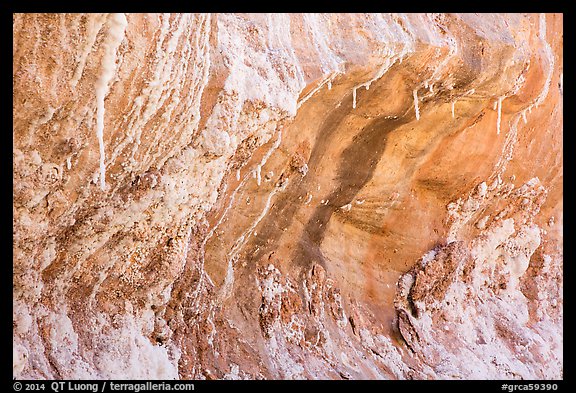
[263,196]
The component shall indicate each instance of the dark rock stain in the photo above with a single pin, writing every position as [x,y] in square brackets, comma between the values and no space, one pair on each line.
[282,212]
[355,168]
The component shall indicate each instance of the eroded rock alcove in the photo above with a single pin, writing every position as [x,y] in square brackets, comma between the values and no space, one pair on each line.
[273,196]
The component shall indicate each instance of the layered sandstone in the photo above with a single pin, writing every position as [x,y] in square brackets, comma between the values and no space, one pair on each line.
[273,196]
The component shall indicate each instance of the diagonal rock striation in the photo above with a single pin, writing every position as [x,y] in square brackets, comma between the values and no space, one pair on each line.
[287,196]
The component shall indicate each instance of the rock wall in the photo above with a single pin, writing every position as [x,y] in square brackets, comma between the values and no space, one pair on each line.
[271,196]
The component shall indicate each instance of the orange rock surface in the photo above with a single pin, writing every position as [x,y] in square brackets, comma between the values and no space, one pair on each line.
[302,196]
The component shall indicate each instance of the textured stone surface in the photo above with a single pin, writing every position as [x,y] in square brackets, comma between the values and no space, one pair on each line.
[287,196]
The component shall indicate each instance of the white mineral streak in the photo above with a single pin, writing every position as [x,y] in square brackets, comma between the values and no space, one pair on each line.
[227,287]
[226,209]
[327,81]
[481,224]
[452,108]
[498,120]
[116,26]
[93,26]
[452,44]
[429,256]
[415,94]
[389,59]
[550,60]
[509,145]
[512,135]
[272,149]
[258,173]
[279,39]
[175,54]
[144,102]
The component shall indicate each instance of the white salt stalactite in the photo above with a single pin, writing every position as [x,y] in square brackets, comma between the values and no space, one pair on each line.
[327,81]
[117,26]
[499,105]
[416,108]
[385,67]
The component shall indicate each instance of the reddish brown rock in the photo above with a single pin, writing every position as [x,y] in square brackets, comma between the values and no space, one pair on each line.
[264,196]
